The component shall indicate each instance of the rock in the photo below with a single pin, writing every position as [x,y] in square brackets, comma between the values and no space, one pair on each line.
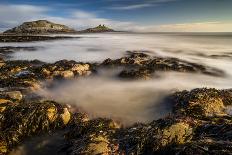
[141,73]
[3,147]
[199,103]
[24,73]
[63,74]
[4,103]
[13,95]
[66,116]
[24,120]
[81,69]
[52,113]
[2,62]
[142,66]
[178,133]
[45,72]
[97,137]
[40,27]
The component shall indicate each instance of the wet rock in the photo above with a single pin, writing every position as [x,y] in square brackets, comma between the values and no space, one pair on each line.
[63,74]
[153,137]
[13,95]
[4,103]
[137,65]
[2,63]
[141,73]
[200,103]
[93,137]
[24,120]
[63,69]
[81,69]
[45,72]
[24,73]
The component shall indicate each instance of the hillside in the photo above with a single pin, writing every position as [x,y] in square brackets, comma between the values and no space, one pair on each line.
[40,27]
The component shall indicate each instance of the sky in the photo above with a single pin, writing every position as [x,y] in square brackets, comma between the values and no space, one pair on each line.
[125,15]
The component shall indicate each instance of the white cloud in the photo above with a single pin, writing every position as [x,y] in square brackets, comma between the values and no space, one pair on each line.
[83,14]
[11,15]
[145,4]
[131,7]
[190,27]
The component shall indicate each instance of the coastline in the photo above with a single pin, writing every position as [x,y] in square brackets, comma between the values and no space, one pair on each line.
[194,119]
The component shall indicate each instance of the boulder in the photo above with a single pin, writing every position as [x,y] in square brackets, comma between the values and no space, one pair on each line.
[13,95]
[199,103]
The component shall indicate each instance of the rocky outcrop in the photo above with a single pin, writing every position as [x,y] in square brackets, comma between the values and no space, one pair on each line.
[200,121]
[28,74]
[179,133]
[202,102]
[40,27]
[98,29]
[21,120]
[142,66]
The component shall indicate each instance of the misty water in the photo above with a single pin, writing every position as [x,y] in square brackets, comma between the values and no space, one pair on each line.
[132,101]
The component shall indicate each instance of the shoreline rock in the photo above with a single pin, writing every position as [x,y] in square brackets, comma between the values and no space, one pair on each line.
[199,122]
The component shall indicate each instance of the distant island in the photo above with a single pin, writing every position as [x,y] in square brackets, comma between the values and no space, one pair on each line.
[99,28]
[47,27]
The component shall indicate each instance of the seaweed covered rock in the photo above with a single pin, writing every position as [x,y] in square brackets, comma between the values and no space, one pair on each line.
[30,74]
[212,137]
[93,137]
[2,62]
[13,95]
[22,120]
[140,65]
[201,102]
[141,73]
[156,136]
[64,69]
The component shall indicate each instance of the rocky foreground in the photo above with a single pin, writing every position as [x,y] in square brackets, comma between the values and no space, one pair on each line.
[200,122]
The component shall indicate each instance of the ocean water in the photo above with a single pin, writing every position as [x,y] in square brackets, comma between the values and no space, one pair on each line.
[132,101]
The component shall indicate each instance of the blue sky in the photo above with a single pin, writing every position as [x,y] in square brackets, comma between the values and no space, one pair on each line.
[137,15]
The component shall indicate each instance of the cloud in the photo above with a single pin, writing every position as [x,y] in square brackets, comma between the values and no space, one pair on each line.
[145,4]
[131,7]
[11,15]
[190,27]
[83,14]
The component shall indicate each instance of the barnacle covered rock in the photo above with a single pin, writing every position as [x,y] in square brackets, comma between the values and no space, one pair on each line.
[200,103]
[142,66]
[14,95]
[155,136]
[93,137]
[27,119]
